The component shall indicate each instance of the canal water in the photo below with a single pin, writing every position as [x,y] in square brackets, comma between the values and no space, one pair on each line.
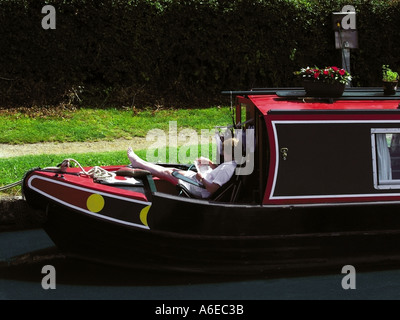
[23,254]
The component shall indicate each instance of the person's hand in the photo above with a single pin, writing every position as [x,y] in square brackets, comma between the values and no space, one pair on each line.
[199,177]
[204,161]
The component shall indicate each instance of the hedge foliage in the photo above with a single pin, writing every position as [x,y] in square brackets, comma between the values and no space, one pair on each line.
[167,52]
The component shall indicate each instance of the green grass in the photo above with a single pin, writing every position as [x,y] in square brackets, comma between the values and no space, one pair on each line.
[14,169]
[88,124]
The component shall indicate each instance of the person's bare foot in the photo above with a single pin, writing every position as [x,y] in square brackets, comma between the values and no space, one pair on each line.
[132,156]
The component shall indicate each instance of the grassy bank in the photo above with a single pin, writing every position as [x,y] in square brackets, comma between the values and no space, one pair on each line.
[13,169]
[41,125]
[65,125]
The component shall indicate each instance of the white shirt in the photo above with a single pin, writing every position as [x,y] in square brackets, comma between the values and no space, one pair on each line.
[220,175]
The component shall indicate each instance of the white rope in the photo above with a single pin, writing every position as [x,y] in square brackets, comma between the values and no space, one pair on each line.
[99,173]
[96,172]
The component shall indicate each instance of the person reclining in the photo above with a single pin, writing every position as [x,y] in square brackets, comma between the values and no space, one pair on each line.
[212,179]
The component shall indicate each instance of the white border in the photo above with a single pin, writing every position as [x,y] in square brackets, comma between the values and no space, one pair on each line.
[87,190]
[277,156]
[388,184]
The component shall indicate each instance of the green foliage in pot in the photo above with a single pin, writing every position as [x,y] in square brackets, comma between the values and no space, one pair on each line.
[388,75]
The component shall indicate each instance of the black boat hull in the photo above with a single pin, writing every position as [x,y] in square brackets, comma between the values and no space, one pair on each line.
[97,240]
[211,237]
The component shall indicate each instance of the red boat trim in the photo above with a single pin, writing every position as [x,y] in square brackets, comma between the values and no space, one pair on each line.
[68,185]
[266,103]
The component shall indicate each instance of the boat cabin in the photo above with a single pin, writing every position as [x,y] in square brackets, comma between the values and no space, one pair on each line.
[317,150]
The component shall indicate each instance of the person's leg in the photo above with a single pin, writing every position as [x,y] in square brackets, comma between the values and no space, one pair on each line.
[154,169]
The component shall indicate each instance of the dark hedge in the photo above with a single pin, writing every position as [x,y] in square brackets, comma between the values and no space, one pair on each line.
[166,52]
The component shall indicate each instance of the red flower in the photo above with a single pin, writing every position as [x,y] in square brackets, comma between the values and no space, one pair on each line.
[331,74]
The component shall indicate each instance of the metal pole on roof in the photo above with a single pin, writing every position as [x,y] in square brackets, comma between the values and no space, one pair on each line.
[346,58]
[346,36]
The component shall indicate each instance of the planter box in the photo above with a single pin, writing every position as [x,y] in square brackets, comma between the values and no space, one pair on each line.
[389,87]
[323,89]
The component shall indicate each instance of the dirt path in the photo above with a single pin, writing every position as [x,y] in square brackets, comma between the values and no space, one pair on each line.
[7,150]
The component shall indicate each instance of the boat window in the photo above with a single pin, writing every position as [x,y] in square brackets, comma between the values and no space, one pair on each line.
[386,158]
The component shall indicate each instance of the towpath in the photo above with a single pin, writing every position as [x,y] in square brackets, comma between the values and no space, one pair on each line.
[7,150]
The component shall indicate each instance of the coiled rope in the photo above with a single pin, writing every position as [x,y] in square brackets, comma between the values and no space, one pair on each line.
[96,173]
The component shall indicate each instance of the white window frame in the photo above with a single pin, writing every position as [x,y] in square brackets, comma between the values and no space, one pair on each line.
[383,184]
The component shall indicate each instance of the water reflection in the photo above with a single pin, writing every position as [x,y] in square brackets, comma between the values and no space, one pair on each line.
[23,255]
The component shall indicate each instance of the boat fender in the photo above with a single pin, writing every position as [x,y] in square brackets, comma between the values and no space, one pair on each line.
[135,173]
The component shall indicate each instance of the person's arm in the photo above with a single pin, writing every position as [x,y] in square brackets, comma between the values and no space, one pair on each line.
[206,161]
[211,187]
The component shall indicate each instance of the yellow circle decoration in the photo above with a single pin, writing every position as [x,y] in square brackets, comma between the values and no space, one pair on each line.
[95,203]
[143,215]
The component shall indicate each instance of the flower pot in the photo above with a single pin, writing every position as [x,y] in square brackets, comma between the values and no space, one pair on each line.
[315,88]
[389,87]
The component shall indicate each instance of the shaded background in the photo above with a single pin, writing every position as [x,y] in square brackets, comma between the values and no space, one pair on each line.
[179,53]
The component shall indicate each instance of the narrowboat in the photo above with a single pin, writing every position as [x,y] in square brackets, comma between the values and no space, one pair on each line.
[319,187]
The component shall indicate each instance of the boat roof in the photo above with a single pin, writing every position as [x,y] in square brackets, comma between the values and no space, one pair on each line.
[295,99]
